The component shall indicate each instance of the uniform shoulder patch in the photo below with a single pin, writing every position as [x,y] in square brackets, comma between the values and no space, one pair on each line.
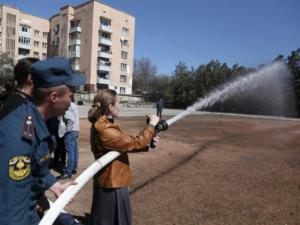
[19,167]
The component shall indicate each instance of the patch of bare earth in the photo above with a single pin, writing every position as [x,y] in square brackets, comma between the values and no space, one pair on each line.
[210,170]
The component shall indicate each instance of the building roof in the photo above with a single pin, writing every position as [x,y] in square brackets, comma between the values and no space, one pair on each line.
[85,3]
[14,7]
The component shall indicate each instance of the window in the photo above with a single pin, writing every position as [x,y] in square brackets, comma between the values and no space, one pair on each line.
[36,33]
[75,23]
[44,56]
[44,45]
[122,90]
[124,42]
[36,55]
[125,31]
[74,35]
[56,29]
[123,67]
[105,22]
[24,40]
[36,44]
[25,29]
[105,48]
[123,78]
[103,74]
[45,34]
[104,61]
[74,48]
[75,63]
[124,55]
[105,35]
[22,51]
[55,41]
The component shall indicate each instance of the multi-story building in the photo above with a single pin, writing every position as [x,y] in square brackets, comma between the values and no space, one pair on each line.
[99,41]
[22,35]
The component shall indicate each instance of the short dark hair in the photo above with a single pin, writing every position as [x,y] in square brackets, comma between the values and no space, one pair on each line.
[40,94]
[23,69]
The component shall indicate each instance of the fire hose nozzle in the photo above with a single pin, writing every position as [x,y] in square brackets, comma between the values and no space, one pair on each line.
[161,126]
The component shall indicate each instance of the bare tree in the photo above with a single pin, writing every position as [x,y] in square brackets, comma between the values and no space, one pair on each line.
[143,72]
[6,68]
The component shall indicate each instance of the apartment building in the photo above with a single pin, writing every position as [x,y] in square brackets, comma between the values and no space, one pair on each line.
[99,41]
[22,35]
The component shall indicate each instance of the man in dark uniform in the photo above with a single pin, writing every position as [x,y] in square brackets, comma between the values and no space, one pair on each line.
[25,140]
[159,107]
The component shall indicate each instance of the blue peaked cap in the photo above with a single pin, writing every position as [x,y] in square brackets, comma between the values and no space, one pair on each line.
[54,72]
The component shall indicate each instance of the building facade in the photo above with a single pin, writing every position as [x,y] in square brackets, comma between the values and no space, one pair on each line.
[22,35]
[99,41]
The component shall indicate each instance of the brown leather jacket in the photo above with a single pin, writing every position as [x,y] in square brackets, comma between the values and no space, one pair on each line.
[107,136]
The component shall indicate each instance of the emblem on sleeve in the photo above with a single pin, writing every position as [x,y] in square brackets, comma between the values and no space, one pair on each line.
[19,167]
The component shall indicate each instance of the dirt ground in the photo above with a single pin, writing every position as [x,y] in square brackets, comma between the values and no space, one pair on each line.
[210,170]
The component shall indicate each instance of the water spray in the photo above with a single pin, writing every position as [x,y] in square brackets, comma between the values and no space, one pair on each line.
[218,95]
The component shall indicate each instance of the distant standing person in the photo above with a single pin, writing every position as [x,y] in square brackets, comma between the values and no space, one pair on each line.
[159,107]
[71,119]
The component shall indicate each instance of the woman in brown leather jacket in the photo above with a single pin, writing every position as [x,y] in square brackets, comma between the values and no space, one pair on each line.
[111,202]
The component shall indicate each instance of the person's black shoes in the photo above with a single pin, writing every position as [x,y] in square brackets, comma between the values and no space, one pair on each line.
[74,172]
[64,176]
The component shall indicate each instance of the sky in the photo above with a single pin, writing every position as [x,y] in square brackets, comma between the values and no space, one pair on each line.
[247,32]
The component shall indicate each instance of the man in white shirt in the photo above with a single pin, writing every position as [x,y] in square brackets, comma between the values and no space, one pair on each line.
[71,119]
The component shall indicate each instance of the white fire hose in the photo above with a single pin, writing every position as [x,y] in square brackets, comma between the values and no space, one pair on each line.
[71,191]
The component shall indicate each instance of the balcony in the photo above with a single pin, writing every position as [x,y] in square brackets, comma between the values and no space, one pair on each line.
[105,41]
[74,54]
[74,42]
[106,28]
[104,67]
[25,34]
[107,55]
[104,80]
[25,46]
[75,29]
